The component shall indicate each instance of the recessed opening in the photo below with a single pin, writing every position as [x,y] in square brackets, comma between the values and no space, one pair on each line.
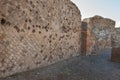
[3,21]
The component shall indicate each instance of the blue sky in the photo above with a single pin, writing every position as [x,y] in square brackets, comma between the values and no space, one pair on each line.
[106,8]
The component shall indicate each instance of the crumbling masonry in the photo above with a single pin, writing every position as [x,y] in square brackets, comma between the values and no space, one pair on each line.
[37,33]
[98,31]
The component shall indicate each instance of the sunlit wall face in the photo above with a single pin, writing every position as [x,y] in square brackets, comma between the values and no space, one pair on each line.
[105,8]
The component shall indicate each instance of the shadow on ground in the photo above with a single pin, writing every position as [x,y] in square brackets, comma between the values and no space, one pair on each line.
[94,67]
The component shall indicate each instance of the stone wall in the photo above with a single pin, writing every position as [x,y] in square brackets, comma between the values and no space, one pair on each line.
[98,34]
[116,38]
[116,45]
[36,33]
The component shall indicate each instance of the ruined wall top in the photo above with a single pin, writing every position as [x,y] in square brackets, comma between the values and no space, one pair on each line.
[99,21]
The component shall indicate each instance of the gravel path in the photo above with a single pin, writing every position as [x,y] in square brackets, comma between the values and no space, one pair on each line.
[94,67]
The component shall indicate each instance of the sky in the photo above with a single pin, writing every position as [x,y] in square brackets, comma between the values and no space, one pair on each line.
[105,8]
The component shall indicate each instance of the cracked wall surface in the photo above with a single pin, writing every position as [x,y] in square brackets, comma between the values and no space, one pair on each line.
[98,32]
[36,33]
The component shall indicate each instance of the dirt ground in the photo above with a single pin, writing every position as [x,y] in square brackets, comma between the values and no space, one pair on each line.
[94,67]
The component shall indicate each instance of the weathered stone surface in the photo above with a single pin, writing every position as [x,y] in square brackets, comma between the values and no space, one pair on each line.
[98,32]
[116,38]
[36,33]
[116,45]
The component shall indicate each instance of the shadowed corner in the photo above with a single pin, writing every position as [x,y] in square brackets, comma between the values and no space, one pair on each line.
[83,38]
